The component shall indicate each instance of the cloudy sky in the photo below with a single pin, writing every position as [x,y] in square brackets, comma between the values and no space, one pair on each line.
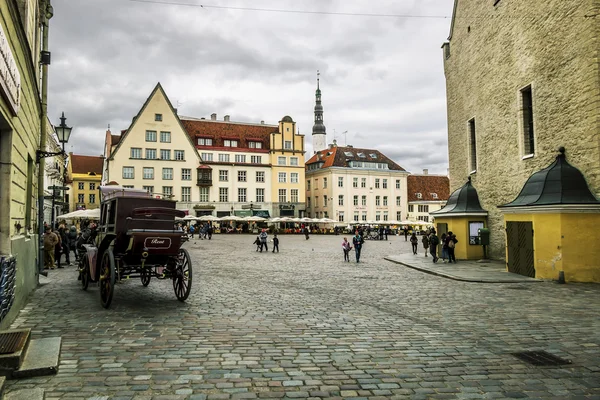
[381,76]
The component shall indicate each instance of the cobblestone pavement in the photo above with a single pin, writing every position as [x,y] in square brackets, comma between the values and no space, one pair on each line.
[305,324]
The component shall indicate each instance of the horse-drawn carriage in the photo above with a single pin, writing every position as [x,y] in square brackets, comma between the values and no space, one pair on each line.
[135,239]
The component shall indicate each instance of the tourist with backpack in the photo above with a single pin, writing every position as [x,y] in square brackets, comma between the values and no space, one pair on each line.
[414,241]
[434,241]
[451,246]
[425,242]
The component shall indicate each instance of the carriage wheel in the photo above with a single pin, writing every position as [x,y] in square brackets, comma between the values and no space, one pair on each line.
[182,277]
[84,272]
[146,275]
[107,278]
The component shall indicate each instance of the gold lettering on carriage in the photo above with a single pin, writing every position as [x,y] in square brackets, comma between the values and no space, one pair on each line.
[157,243]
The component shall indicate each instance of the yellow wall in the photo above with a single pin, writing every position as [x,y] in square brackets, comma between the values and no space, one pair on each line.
[75,191]
[287,133]
[460,227]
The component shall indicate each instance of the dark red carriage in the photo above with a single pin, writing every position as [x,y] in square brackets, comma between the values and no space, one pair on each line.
[136,239]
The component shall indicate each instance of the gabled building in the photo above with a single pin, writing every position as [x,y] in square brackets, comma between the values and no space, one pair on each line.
[355,185]
[426,193]
[84,177]
[155,153]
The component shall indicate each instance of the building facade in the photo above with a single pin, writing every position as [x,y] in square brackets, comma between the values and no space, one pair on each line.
[54,168]
[426,193]
[84,177]
[353,185]
[154,153]
[517,92]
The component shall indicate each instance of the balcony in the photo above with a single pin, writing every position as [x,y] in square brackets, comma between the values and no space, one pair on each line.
[204,182]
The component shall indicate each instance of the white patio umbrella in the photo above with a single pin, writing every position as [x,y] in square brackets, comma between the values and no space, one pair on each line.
[208,218]
[231,218]
[256,218]
[372,222]
[275,220]
[91,214]
[189,218]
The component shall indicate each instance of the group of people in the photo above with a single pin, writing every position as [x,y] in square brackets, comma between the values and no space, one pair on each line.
[357,243]
[261,242]
[431,241]
[204,231]
[57,242]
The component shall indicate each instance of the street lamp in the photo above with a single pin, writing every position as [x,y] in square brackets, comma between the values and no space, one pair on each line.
[64,133]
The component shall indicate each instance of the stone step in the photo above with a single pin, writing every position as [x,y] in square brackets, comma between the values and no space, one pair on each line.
[40,359]
[25,394]
[11,361]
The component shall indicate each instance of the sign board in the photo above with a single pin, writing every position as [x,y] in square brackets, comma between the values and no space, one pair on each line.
[10,78]
[58,188]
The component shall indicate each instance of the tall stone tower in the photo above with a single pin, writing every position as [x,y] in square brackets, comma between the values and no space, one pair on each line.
[319,133]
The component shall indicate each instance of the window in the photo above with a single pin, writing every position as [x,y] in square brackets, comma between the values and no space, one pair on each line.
[255,145]
[150,136]
[282,195]
[287,145]
[341,216]
[167,191]
[398,215]
[419,195]
[136,152]
[294,195]
[186,194]
[81,198]
[165,137]
[165,154]
[92,198]
[223,175]
[148,173]
[308,184]
[308,202]
[128,172]
[397,183]
[384,186]
[324,201]
[378,216]
[411,208]
[260,195]
[167,173]
[423,208]
[364,216]
[377,200]
[324,183]
[241,176]
[377,183]
[179,155]
[280,160]
[385,200]
[242,195]
[149,189]
[294,161]
[260,176]
[340,200]
[355,200]
[363,182]
[151,154]
[340,181]
[240,158]
[230,143]
[282,177]
[528,142]
[385,216]
[223,195]
[158,117]
[434,195]
[472,146]
[223,157]
[355,216]
[186,174]
[398,201]
[81,186]
[205,142]
[256,159]
[364,201]
[204,194]
[206,156]
[316,183]
[361,155]
[354,182]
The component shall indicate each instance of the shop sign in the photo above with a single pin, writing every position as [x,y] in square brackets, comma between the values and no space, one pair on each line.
[10,78]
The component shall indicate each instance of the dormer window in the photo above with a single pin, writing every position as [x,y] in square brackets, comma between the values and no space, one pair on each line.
[362,155]
[419,195]
[230,143]
[255,145]
[434,195]
[372,155]
[205,142]
[348,154]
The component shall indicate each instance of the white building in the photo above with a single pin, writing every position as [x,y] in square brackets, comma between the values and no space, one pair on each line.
[53,176]
[355,185]
[426,193]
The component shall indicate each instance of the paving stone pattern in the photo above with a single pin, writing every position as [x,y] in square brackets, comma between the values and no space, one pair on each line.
[305,324]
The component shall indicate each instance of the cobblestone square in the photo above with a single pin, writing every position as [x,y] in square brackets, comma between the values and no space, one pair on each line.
[303,323]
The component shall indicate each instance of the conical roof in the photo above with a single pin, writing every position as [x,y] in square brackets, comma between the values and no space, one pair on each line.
[558,184]
[464,201]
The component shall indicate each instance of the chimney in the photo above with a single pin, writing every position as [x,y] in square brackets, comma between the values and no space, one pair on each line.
[425,171]
[262,122]
[213,117]
[226,118]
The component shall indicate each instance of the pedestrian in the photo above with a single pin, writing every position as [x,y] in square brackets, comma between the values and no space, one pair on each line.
[192,229]
[451,247]
[415,242]
[275,243]
[346,248]
[73,240]
[209,231]
[58,247]
[425,242]
[445,245]
[357,241]
[434,240]
[306,233]
[263,240]
[257,243]
[50,242]
[64,241]
[381,233]
[386,231]
[406,233]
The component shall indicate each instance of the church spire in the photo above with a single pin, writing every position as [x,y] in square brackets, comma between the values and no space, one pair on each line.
[319,132]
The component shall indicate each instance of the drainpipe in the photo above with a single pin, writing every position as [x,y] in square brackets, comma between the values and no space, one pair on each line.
[47,13]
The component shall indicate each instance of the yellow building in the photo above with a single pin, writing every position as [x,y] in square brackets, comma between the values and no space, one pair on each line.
[287,163]
[84,177]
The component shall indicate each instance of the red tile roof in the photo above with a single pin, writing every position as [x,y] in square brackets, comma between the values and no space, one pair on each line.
[341,156]
[86,164]
[427,185]
[220,130]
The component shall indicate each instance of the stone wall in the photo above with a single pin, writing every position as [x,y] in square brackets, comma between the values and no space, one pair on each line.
[495,51]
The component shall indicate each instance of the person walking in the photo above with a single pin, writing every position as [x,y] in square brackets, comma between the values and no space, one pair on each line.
[257,243]
[357,241]
[346,248]
[434,240]
[192,229]
[414,241]
[209,231]
[263,240]
[275,243]
[425,241]
[451,246]
[306,231]
[445,245]
[406,233]
[58,247]
[50,242]
[73,241]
